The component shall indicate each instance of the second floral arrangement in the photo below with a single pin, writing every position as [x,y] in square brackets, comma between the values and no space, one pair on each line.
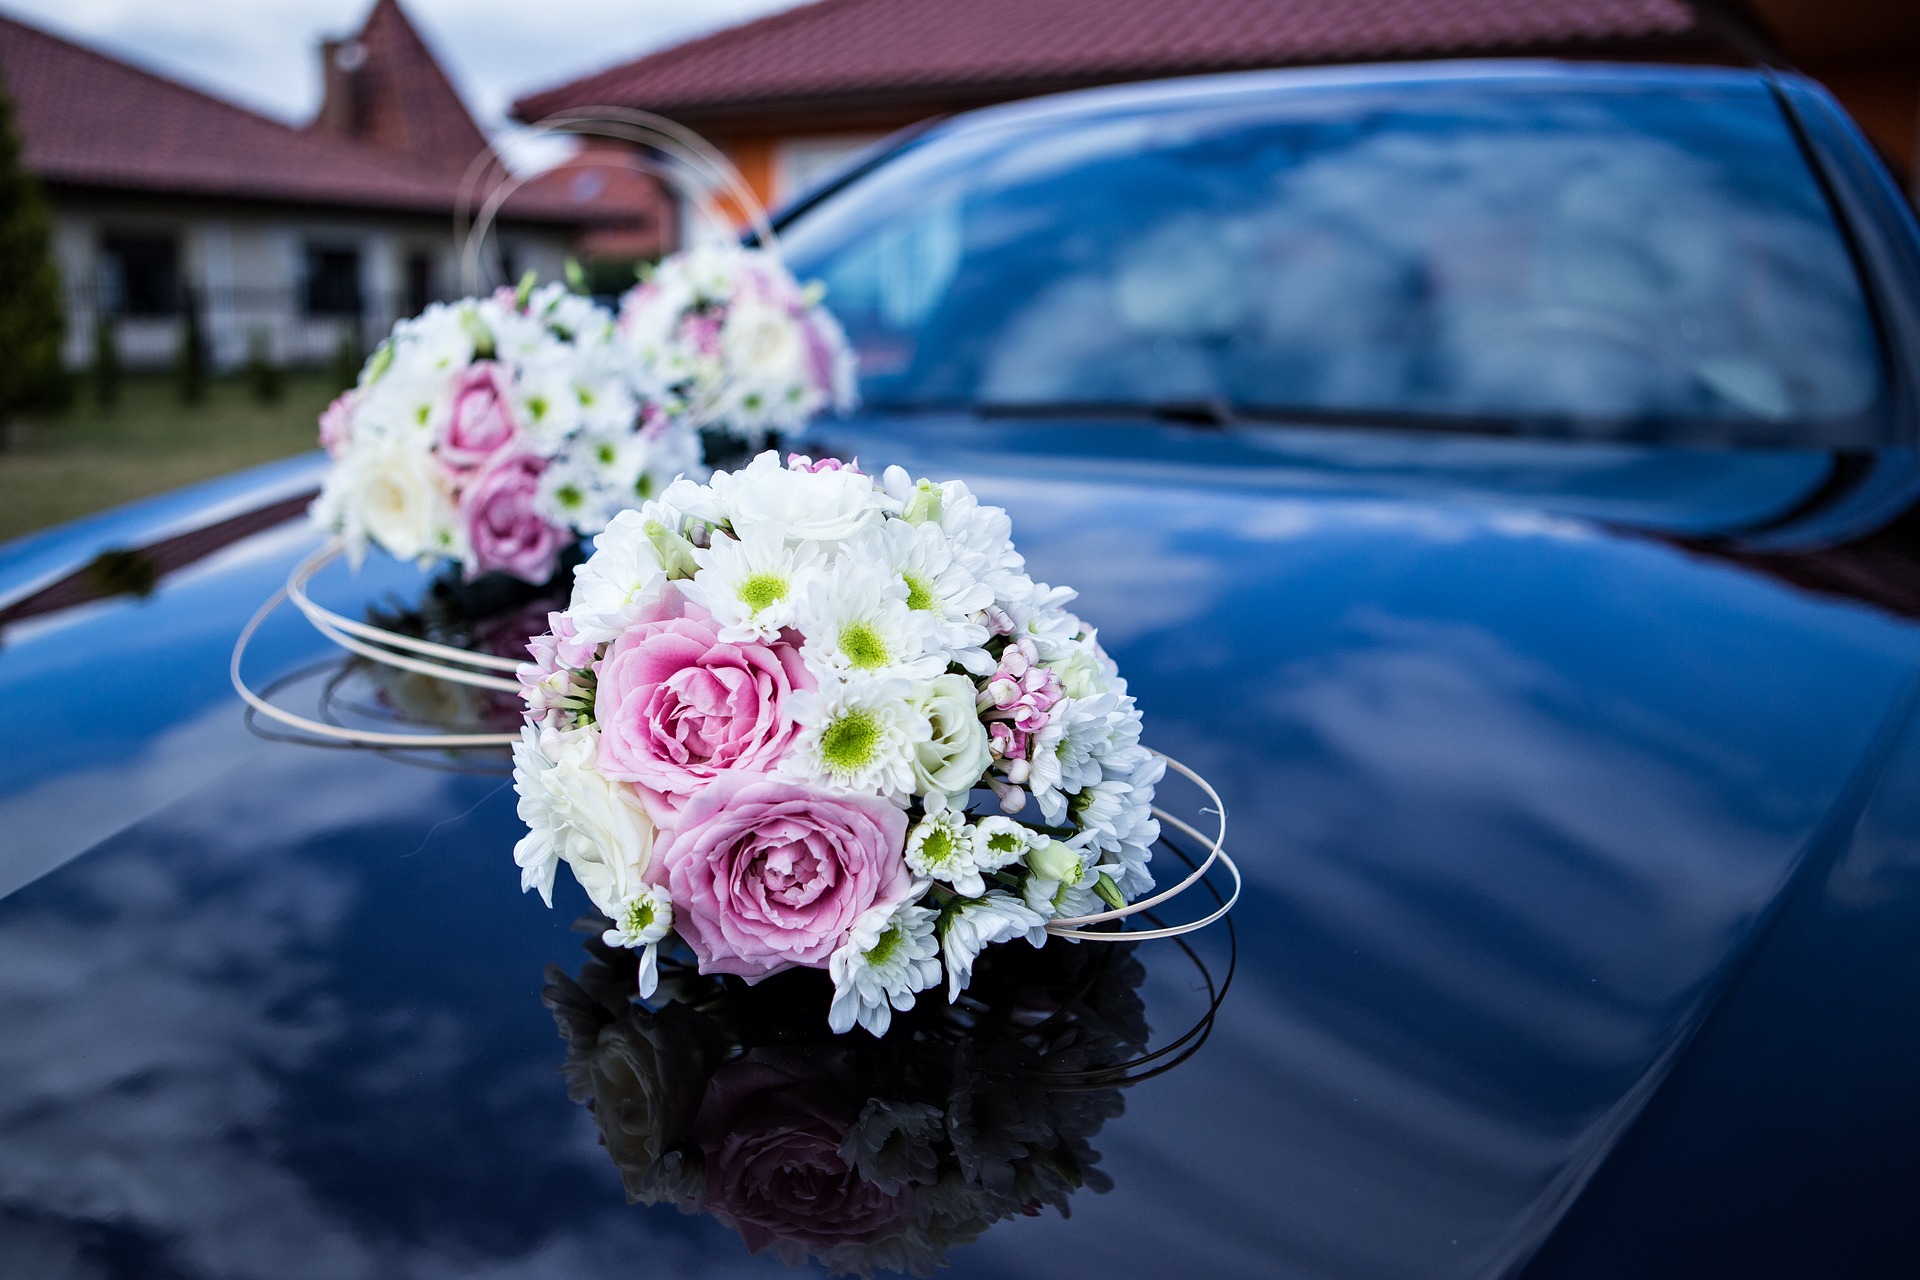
[775,718]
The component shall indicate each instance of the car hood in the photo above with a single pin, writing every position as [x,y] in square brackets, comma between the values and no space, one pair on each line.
[1515,789]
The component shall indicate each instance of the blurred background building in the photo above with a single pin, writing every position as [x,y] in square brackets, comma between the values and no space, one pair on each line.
[280,240]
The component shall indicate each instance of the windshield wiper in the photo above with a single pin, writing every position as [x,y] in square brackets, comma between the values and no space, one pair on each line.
[1219,415]
[1214,414]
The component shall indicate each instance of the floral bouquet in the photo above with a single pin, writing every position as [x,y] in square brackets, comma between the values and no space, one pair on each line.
[776,717]
[885,1159]
[728,334]
[494,431]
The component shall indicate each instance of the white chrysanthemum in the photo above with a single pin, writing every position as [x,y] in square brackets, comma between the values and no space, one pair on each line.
[1115,815]
[642,923]
[752,584]
[980,536]
[602,473]
[940,847]
[859,735]
[546,400]
[890,955]
[408,403]
[973,926]
[856,622]
[518,338]
[817,506]
[937,584]
[1055,899]
[1000,842]
[1066,755]
[607,402]
[573,815]
[622,576]
[1039,613]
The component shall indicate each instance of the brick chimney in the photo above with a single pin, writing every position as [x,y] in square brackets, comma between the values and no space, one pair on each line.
[342,106]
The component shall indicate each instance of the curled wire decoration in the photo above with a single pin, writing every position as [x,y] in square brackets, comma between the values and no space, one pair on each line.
[444,662]
[377,645]
[1078,926]
[692,167]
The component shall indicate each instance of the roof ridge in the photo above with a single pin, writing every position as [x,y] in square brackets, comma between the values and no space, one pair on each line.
[692,45]
[124,65]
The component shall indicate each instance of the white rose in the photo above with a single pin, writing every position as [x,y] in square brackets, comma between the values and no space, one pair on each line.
[394,493]
[953,759]
[823,506]
[762,343]
[576,816]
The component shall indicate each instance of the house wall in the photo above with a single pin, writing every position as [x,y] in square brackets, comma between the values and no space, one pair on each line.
[247,265]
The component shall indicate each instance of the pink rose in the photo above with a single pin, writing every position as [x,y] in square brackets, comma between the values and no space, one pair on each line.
[336,422]
[677,707]
[768,874]
[503,528]
[770,1128]
[481,424]
[801,462]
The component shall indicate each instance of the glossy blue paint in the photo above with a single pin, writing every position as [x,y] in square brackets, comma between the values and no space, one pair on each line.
[1577,934]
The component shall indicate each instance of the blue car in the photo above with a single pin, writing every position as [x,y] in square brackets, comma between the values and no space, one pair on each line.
[1495,478]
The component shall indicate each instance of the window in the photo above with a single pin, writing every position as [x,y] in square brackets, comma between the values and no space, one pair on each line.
[140,275]
[419,282]
[1528,257]
[801,164]
[333,281]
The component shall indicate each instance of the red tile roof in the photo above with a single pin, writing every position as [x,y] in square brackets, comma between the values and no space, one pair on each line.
[90,120]
[403,101]
[850,51]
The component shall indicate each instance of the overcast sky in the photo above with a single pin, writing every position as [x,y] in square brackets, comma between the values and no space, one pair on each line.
[261,52]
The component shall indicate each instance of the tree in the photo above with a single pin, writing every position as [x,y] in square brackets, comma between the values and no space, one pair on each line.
[33,323]
[190,359]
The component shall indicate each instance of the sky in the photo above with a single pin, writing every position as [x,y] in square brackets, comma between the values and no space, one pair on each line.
[261,53]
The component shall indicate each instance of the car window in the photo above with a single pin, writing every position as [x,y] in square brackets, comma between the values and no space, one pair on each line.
[1587,261]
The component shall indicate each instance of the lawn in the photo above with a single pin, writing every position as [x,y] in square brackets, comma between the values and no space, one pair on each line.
[90,458]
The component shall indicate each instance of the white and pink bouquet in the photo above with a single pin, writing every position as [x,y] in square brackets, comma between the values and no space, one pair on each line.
[494,432]
[776,717]
[728,335]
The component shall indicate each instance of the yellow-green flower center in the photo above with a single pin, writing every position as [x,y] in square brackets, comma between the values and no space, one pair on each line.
[1006,844]
[762,589]
[937,848]
[537,407]
[863,646]
[568,496]
[890,941]
[639,917]
[850,740]
[919,594]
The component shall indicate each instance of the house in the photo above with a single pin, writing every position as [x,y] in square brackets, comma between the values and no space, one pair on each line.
[793,95]
[286,240]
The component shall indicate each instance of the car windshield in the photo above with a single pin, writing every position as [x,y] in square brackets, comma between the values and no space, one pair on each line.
[1528,256]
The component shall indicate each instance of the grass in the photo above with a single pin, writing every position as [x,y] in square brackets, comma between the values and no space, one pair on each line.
[88,458]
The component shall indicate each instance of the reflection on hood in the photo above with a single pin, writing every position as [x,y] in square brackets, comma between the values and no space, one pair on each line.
[863,1154]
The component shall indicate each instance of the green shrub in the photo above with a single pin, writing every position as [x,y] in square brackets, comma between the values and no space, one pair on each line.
[33,322]
[106,361]
[190,364]
[264,378]
[346,359]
